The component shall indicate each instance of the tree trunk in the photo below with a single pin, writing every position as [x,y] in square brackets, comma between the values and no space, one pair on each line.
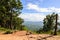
[55,32]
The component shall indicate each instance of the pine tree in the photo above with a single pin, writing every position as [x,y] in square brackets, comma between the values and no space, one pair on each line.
[9,12]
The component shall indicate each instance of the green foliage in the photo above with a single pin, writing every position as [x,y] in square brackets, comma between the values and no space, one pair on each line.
[9,12]
[58,31]
[55,31]
[25,28]
[49,22]
[3,29]
[39,31]
[8,32]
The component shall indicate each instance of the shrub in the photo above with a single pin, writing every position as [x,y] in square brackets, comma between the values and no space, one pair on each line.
[39,31]
[25,28]
[8,32]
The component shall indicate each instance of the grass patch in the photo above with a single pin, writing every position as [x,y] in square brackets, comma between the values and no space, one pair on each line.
[8,32]
[5,30]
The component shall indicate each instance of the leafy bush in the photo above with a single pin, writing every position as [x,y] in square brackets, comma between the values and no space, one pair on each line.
[3,29]
[25,28]
[39,31]
[8,32]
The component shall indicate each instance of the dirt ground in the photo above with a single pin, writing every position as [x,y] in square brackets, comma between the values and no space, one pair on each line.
[21,35]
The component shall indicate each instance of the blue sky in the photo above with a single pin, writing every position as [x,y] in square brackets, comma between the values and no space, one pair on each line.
[36,10]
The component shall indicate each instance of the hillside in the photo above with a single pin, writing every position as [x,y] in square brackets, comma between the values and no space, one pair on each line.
[33,25]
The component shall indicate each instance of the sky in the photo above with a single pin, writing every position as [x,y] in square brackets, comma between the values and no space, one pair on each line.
[36,10]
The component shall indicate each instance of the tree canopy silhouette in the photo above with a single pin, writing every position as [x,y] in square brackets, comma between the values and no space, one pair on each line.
[9,12]
[49,22]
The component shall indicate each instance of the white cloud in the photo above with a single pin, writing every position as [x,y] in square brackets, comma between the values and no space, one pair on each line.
[39,9]
[38,16]
[58,16]
[32,16]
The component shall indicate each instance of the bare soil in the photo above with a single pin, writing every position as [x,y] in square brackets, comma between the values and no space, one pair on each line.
[21,35]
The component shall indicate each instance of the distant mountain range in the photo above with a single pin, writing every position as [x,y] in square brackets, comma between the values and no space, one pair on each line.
[33,25]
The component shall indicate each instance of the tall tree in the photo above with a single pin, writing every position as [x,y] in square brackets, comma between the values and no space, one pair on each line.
[49,22]
[55,32]
[9,12]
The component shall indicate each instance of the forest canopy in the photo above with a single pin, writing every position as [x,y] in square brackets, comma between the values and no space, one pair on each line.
[9,12]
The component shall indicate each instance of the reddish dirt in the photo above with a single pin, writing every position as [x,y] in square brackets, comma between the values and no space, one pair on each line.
[21,35]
